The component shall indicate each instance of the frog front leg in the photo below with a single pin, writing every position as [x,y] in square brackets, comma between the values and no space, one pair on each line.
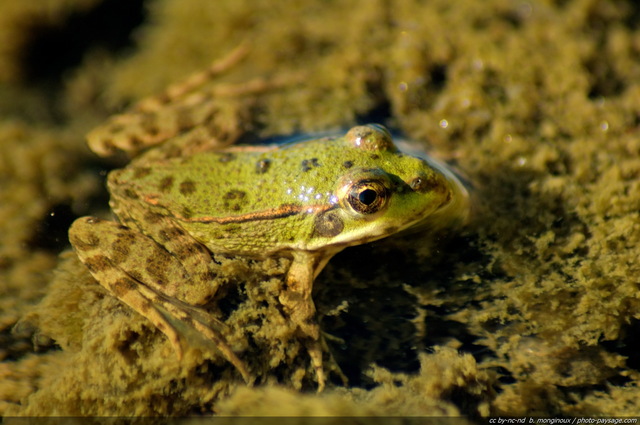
[299,306]
[145,276]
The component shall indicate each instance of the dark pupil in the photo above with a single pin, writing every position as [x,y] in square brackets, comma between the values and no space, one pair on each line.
[367,196]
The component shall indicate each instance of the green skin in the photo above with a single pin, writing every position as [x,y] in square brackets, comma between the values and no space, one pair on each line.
[306,200]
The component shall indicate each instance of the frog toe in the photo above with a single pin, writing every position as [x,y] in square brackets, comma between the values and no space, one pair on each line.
[200,330]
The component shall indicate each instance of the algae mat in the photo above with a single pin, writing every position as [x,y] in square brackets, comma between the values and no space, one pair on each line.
[531,309]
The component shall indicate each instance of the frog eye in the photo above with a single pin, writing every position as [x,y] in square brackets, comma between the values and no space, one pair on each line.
[367,196]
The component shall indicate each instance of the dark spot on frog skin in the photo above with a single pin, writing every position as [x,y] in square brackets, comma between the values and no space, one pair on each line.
[166,184]
[170,233]
[120,250]
[328,224]
[122,286]
[308,164]
[191,249]
[347,164]
[187,187]
[156,272]
[97,263]
[152,217]
[262,166]
[234,194]
[233,200]
[174,232]
[374,156]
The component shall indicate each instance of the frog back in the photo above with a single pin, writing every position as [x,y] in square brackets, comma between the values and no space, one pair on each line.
[301,196]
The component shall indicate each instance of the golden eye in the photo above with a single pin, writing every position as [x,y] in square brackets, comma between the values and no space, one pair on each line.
[367,196]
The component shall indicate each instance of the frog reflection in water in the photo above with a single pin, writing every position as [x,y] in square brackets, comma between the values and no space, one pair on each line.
[306,201]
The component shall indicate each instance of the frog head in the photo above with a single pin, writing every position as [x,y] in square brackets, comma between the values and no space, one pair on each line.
[385,192]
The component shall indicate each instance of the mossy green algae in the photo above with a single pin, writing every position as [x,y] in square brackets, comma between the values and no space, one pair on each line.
[536,101]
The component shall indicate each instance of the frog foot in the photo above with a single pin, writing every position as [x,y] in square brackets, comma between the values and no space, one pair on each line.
[316,349]
[333,364]
[301,311]
[168,316]
[176,314]
[178,109]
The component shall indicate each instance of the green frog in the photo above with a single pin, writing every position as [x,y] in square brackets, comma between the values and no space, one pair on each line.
[305,200]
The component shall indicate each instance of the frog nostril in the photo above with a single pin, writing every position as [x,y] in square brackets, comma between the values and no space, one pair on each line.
[423,184]
[416,184]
